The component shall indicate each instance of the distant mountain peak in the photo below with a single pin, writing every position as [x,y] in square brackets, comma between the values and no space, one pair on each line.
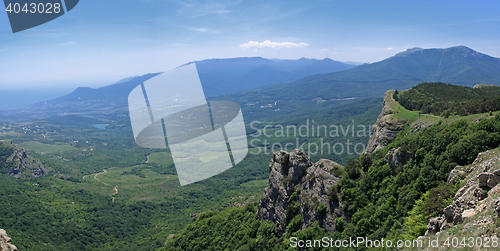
[466,51]
[463,47]
[455,51]
[408,51]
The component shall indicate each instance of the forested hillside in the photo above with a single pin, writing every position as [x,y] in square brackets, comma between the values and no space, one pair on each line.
[445,99]
[388,194]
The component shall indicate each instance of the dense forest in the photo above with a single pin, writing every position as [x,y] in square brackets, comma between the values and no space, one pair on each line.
[231,229]
[63,210]
[444,100]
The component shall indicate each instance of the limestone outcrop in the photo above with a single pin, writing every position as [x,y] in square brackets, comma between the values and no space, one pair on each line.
[299,187]
[24,165]
[5,240]
[386,128]
[477,199]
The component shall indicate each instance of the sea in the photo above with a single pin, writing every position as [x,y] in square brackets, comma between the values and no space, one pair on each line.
[13,98]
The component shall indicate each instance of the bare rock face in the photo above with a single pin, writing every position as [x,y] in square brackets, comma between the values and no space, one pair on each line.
[455,174]
[397,158]
[497,208]
[436,224]
[453,214]
[5,240]
[284,172]
[24,164]
[299,187]
[385,129]
[481,182]
[489,180]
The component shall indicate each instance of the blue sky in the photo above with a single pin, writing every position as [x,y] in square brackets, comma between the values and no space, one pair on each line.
[101,42]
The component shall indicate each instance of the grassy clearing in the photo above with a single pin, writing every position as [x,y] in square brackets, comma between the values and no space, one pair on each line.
[399,113]
[259,184]
[9,136]
[45,148]
[162,159]
[133,183]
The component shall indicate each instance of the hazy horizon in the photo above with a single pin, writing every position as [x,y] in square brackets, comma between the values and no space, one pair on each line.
[92,44]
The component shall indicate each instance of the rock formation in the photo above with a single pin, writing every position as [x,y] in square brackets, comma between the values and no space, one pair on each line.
[386,128]
[25,164]
[476,197]
[397,158]
[5,240]
[299,187]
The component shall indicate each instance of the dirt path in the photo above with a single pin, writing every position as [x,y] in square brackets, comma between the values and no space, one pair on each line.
[95,177]
[115,193]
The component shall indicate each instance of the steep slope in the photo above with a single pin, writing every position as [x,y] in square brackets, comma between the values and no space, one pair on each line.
[475,210]
[387,126]
[17,163]
[302,192]
[301,198]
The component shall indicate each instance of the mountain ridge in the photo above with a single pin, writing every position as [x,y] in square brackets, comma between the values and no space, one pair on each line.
[218,77]
[456,65]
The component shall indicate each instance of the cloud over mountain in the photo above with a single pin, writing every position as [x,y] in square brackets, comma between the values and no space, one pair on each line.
[269,44]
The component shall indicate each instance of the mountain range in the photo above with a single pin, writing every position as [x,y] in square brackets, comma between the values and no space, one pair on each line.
[218,77]
[233,75]
[458,65]
[236,79]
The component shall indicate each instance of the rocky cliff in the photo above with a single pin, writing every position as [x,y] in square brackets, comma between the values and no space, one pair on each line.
[5,240]
[477,202]
[20,164]
[299,189]
[387,126]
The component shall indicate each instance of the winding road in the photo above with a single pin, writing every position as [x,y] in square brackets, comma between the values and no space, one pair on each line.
[115,189]
[95,177]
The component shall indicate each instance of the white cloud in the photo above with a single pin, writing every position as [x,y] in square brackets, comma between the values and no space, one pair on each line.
[269,44]
[390,49]
[200,29]
[198,8]
[68,43]
[328,51]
